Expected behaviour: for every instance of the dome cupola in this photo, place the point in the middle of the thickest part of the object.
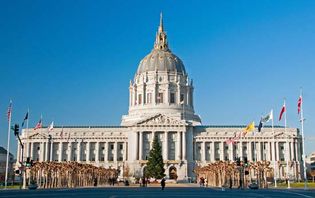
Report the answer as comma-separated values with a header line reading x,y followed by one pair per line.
x,y
161,58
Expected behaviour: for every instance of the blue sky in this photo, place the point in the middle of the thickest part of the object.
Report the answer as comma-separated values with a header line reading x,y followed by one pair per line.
x,y
71,61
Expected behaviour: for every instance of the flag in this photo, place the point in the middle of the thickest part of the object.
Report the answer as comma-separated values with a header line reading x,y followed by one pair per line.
x,y
9,111
230,141
267,118
282,111
51,126
25,118
260,125
38,125
299,104
250,127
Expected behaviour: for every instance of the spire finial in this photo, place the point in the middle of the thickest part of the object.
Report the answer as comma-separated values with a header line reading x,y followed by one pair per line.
x,y
161,38
161,23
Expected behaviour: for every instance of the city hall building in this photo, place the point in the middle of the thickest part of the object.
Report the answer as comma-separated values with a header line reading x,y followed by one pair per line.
x,y
161,104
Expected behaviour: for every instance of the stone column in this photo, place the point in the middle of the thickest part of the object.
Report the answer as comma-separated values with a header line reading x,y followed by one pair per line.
x,y
277,152
69,151
51,150
97,152
32,150
222,151
165,149
79,151
88,151
115,151
184,157
105,151
177,149
140,145
292,150
125,151
46,151
231,152
249,151
203,152
267,151
258,151
212,152
41,156
60,152
241,149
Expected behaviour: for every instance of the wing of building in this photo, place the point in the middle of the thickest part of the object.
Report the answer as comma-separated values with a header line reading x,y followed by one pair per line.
x,y
161,104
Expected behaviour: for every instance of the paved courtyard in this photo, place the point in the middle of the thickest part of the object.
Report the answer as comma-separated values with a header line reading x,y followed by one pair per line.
x,y
116,192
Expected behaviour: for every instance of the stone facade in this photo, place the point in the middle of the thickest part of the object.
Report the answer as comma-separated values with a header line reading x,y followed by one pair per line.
x,y
161,104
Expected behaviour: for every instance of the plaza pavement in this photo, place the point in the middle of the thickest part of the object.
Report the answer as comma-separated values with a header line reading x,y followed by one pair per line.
x,y
172,190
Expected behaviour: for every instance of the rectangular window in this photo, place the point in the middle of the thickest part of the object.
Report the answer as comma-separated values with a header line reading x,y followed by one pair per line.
x,y
181,97
149,98
160,98
139,99
172,99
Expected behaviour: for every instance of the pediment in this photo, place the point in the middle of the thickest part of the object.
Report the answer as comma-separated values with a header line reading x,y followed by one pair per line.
x,y
161,119
38,136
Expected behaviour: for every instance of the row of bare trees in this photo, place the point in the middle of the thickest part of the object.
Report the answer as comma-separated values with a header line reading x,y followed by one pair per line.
x,y
225,173
69,174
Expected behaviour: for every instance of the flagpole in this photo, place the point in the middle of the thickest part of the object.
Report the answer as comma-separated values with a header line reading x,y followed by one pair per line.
x,y
303,145
287,143
274,153
8,145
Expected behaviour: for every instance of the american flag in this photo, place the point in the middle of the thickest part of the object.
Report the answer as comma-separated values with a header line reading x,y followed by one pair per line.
x,y
9,111
38,125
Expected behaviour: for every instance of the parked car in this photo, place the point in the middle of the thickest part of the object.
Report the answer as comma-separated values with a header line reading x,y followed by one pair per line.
x,y
253,186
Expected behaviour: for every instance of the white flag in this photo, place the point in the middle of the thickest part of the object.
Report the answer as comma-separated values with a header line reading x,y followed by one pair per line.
x,y
267,118
51,126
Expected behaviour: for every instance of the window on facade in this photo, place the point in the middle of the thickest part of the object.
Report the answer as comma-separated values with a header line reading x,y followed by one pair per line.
x,y
139,98
160,98
181,97
149,98
172,99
